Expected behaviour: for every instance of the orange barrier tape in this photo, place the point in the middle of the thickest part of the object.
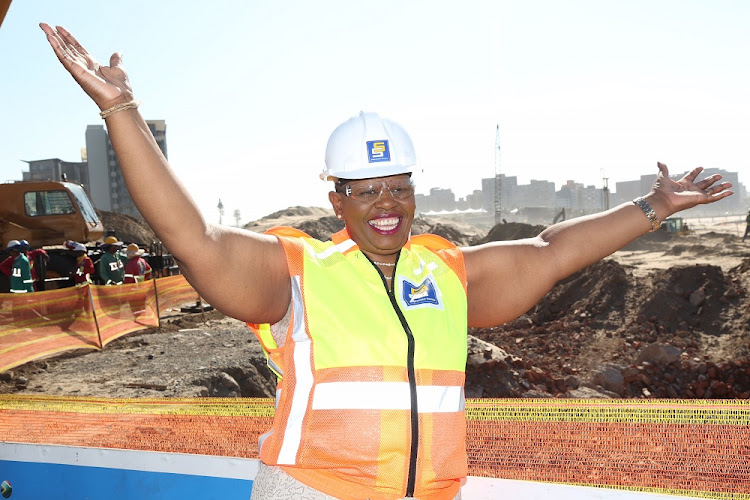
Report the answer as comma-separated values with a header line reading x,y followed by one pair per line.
x,y
33,325
691,448
224,427
39,324
174,291
123,309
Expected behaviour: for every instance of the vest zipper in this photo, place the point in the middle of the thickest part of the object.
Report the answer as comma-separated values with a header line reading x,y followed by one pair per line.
x,y
412,476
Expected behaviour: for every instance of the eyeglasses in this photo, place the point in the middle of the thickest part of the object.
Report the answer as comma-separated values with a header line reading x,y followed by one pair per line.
x,y
371,191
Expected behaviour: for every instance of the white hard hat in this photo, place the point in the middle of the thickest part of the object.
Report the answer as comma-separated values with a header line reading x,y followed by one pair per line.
x,y
13,245
367,146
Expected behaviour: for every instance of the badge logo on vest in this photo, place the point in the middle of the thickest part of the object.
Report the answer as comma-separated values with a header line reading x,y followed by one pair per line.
x,y
378,151
424,294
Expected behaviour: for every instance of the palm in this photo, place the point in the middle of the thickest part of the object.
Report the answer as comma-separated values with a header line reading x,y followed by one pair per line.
x,y
687,192
106,85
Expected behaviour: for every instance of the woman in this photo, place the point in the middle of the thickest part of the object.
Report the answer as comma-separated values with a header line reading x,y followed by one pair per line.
x,y
369,329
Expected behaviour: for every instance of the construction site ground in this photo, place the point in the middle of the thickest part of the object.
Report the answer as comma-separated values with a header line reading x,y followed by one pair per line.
x,y
667,317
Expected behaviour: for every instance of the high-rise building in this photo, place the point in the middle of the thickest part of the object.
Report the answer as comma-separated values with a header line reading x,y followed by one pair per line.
x,y
108,191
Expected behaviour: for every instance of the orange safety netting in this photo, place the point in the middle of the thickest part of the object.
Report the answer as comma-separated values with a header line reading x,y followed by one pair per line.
x,y
695,448
124,309
33,325
175,290
685,447
39,324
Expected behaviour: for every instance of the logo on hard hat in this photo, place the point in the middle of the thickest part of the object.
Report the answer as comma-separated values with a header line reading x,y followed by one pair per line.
x,y
378,151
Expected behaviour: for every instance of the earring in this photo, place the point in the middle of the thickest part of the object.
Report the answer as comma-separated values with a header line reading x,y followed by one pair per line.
x,y
339,216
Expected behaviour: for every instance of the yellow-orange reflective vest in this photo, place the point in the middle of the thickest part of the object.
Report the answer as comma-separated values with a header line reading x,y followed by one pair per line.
x,y
370,403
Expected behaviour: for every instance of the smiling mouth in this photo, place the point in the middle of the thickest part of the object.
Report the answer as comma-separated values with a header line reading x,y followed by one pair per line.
x,y
385,224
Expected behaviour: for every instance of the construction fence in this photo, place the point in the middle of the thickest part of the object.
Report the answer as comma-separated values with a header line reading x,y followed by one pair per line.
x,y
39,324
691,448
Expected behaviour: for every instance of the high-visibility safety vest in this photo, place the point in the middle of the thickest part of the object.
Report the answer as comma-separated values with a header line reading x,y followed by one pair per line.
x,y
370,403
20,277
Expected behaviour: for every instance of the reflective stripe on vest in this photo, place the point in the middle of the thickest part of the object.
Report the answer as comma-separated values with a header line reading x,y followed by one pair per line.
x,y
304,381
386,396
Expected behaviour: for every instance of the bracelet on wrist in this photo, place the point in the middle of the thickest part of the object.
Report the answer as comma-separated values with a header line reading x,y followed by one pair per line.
x,y
650,213
119,107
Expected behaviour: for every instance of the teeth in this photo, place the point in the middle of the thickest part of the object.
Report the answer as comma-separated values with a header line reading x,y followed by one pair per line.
x,y
385,224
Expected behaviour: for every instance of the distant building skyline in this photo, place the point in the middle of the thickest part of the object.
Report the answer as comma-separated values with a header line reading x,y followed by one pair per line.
x,y
100,175
572,196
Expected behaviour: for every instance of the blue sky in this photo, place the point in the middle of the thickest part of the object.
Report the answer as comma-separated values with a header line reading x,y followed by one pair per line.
x,y
250,90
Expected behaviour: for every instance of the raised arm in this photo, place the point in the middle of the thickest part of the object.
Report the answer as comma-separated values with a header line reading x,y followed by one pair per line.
x,y
241,273
507,278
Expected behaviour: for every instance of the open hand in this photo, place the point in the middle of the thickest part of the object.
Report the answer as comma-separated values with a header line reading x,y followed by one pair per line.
x,y
106,85
686,192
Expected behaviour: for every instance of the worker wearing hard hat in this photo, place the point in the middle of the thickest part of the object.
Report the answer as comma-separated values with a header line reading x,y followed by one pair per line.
x,y
110,266
35,256
17,267
137,270
84,264
367,331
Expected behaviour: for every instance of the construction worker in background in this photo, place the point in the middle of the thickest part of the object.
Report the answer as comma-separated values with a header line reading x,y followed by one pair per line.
x,y
368,331
747,226
84,264
18,268
38,255
110,267
137,269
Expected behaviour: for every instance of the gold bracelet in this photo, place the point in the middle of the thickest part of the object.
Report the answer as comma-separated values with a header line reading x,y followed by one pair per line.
x,y
650,213
119,107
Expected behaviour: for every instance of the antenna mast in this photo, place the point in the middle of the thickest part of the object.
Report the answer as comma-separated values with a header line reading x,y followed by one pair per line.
x,y
498,181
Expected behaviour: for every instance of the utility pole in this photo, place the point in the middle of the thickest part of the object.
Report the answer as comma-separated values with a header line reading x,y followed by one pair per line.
x,y
237,217
220,206
605,191
498,180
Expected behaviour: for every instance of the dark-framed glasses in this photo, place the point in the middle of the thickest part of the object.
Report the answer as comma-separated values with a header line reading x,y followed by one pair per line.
x,y
370,191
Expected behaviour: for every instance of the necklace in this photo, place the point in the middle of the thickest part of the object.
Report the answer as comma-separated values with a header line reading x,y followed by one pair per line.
x,y
387,264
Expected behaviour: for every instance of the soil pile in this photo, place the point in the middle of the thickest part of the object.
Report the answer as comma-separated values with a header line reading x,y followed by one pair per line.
x,y
681,332
510,231
126,228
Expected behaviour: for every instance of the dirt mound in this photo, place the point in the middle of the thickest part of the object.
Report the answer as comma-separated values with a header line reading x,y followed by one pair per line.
x,y
685,297
447,231
723,237
510,231
321,228
126,228
298,211
596,293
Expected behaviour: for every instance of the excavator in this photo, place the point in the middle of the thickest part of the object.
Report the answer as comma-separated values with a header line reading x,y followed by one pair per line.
x,y
560,216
